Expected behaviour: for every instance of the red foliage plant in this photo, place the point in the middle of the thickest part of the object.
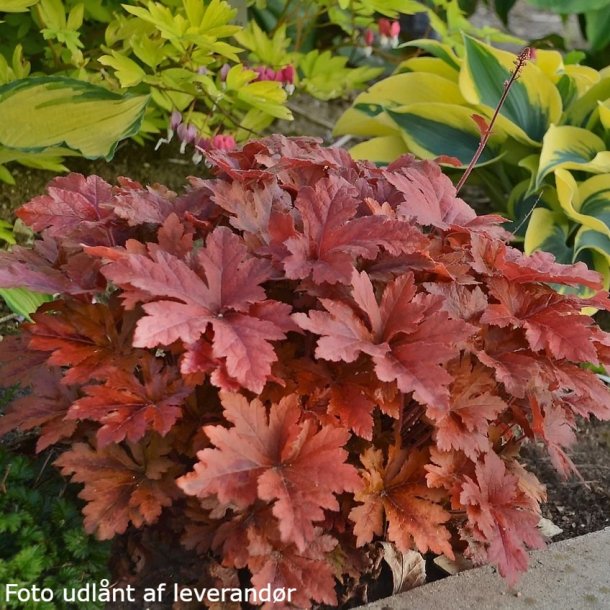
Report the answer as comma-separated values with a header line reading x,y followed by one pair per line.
x,y
298,358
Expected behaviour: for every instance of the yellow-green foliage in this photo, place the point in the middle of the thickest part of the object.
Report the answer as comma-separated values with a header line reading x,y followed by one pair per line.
x,y
552,134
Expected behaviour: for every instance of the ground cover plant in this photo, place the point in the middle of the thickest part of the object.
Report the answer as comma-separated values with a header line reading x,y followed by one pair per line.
x,y
43,542
297,359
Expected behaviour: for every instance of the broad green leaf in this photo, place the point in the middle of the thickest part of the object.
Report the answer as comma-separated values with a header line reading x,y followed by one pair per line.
x,y
587,203
598,27
503,8
382,150
566,7
434,129
572,148
42,112
584,77
533,102
22,301
16,6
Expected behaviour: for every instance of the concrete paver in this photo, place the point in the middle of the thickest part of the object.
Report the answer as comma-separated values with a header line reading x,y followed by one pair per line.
x,y
569,575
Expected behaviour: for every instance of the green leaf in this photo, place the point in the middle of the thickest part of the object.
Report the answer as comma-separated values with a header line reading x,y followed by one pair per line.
x,y
579,113
587,203
434,129
548,230
42,112
574,148
598,28
533,102
503,7
22,301
6,232
16,6
127,71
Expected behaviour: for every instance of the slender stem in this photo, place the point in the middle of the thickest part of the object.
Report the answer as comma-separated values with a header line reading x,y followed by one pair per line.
x,y
524,56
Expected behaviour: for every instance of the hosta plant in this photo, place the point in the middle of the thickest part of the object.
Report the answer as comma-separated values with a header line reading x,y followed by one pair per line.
x,y
554,123
299,358
188,59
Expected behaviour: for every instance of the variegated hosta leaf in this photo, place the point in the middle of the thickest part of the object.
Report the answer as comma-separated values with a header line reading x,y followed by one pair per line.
x,y
431,65
582,112
438,49
521,205
533,103
367,116
587,203
49,111
434,129
22,301
550,231
381,150
604,114
567,147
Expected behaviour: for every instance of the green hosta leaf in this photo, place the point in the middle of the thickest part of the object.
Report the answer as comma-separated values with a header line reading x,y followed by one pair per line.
x,y
572,148
38,113
598,27
382,150
533,102
587,203
566,7
16,6
22,301
433,129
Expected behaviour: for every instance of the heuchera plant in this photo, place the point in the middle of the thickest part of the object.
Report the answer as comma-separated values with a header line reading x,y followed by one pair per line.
x,y
299,358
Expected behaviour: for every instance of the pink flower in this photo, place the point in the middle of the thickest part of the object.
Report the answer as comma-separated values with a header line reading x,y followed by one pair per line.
x,y
388,32
369,37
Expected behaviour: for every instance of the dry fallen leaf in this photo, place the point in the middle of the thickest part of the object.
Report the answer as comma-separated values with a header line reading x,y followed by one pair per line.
x,y
548,529
408,569
453,566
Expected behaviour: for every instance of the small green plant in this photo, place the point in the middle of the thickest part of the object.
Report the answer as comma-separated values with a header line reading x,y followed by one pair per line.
x,y
43,542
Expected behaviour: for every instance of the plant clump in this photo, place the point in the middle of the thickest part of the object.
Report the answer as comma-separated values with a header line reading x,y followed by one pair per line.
x,y
298,358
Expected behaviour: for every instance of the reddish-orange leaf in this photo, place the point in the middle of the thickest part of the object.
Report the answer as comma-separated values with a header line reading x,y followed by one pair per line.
x,y
398,492
277,459
121,486
502,516
474,403
128,407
